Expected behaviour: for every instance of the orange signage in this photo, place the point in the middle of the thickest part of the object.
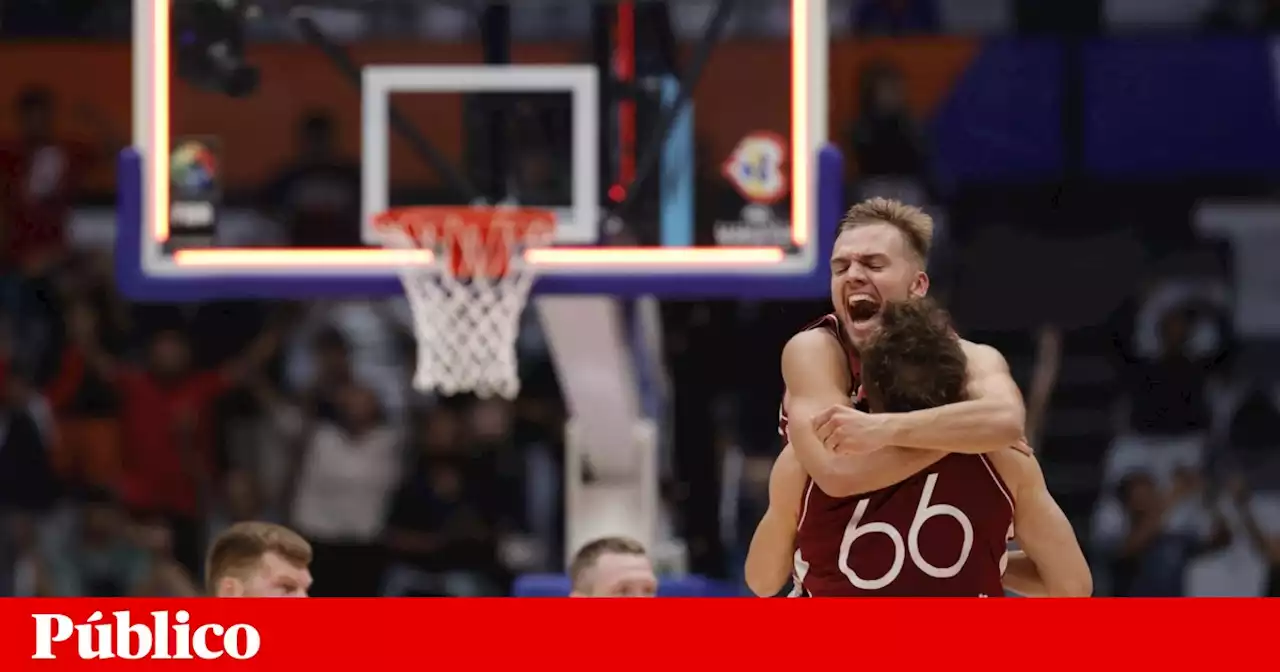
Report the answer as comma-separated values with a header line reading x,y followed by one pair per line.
x,y
744,89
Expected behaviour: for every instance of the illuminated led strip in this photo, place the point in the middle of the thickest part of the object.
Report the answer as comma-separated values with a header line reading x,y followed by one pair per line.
x,y
572,256
802,152
157,181
276,256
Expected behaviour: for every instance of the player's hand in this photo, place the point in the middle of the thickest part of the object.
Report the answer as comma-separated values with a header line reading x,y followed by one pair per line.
x,y
1024,448
848,430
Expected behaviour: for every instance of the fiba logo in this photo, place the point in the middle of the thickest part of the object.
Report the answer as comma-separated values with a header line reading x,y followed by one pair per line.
x,y
193,168
755,168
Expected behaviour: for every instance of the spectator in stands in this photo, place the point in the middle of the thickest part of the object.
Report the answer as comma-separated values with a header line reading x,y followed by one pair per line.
x,y
85,409
886,140
100,559
539,174
1168,392
1267,545
331,357
439,532
28,483
39,176
612,567
364,340
346,472
164,576
895,17
317,197
1162,530
322,358
1254,430
167,439
29,571
492,455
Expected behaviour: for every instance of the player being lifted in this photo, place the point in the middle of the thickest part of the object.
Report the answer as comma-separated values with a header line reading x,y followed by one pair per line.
x,y
941,532
879,258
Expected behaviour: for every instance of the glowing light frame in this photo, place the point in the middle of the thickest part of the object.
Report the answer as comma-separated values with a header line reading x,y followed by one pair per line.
x,y
145,272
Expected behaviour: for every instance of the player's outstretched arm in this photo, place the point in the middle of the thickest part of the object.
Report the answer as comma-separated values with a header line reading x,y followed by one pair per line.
x,y
1043,532
992,419
815,371
773,546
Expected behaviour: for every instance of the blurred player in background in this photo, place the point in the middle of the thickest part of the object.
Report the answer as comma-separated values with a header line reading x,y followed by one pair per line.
x,y
942,532
612,567
254,559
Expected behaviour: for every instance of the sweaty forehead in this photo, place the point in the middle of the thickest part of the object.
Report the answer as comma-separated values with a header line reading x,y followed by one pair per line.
x,y
870,239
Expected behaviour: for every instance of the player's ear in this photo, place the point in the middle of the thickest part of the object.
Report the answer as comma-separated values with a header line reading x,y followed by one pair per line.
x,y
920,286
229,587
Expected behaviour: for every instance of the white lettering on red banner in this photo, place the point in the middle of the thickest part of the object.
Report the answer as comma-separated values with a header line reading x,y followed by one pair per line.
x,y
97,639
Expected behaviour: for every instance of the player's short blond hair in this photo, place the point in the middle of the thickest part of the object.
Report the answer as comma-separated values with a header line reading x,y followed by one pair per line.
x,y
241,547
587,556
915,224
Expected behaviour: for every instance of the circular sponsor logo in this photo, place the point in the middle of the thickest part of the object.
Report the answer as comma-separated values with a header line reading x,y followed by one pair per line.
x,y
756,168
193,167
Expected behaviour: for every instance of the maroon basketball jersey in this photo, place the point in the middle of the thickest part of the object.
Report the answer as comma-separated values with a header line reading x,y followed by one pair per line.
x,y
831,323
943,532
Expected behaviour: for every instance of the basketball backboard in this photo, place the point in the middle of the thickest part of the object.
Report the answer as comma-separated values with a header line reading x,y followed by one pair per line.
x,y
199,155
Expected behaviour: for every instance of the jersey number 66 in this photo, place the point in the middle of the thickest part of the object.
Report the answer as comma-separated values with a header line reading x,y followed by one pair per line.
x,y
924,511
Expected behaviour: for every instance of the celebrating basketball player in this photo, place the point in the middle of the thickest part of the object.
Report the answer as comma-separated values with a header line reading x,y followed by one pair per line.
x,y
942,532
254,559
879,257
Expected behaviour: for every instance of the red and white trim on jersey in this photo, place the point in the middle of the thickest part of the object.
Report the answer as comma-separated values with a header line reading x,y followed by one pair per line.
x,y
1008,497
830,323
995,476
800,568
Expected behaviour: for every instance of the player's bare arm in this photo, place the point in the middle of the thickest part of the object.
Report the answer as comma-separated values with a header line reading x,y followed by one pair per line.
x,y
1022,577
1043,532
815,371
991,419
772,550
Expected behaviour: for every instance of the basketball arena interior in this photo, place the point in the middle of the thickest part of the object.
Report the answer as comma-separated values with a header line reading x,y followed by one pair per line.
x,y
219,303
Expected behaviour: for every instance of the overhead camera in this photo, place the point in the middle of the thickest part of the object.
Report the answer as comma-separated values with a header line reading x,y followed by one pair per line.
x,y
209,45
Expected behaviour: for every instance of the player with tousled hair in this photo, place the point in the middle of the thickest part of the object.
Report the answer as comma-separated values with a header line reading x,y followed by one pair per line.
x,y
255,559
954,530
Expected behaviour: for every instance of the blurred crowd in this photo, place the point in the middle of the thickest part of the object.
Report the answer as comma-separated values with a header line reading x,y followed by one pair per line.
x,y
541,19
129,432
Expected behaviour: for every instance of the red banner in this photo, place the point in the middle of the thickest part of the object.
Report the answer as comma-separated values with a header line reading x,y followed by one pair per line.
x,y
456,634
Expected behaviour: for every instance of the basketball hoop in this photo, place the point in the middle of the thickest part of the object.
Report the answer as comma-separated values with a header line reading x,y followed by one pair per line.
x,y
466,306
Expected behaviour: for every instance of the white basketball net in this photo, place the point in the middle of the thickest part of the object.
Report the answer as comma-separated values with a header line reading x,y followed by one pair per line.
x,y
466,327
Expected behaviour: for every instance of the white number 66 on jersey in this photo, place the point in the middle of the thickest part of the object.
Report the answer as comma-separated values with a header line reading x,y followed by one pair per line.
x,y
924,511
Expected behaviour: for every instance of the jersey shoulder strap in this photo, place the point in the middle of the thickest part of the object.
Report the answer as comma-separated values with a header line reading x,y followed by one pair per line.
x,y
832,324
